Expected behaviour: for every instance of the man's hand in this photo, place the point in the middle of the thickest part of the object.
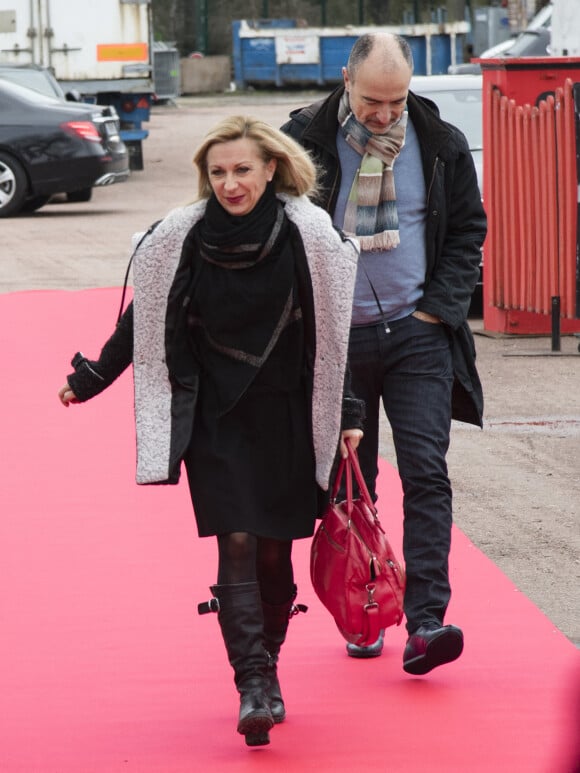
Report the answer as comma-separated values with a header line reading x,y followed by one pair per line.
x,y
426,317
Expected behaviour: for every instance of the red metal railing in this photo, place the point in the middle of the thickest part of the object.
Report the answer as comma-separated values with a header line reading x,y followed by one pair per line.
x,y
530,254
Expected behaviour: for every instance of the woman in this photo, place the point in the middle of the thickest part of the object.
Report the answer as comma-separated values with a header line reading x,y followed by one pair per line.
x,y
238,335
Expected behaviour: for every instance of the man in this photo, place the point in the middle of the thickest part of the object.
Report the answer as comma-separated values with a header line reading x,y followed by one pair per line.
x,y
403,181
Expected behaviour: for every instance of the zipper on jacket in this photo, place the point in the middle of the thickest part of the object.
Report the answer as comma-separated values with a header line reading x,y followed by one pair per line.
x,y
431,182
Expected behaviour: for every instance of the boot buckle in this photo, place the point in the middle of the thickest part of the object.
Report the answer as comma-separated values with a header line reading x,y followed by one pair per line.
x,y
213,605
295,609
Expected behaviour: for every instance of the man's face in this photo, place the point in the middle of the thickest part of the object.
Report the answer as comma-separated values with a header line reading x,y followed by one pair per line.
x,y
378,99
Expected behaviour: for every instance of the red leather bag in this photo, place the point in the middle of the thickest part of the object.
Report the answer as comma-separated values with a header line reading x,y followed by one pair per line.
x,y
353,568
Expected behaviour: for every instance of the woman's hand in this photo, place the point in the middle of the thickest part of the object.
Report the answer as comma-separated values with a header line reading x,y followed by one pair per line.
x,y
67,396
354,436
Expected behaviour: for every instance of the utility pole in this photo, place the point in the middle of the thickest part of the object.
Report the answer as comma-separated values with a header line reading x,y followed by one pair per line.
x,y
416,12
201,26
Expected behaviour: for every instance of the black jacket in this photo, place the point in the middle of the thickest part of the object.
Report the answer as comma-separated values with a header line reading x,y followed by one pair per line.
x,y
166,387
455,229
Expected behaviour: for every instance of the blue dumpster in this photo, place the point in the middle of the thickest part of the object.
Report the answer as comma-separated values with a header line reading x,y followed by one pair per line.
x,y
279,52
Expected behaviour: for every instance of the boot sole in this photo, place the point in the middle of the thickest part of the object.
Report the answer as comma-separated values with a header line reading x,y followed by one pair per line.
x,y
256,723
257,739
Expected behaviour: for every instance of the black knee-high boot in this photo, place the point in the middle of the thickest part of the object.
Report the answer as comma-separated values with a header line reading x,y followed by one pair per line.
x,y
241,620
276,619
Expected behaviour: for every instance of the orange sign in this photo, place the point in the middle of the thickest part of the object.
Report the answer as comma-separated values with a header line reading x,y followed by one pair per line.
x,y
123,52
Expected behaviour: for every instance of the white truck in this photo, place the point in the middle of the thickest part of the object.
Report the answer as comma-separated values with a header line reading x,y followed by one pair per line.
x,y
100,50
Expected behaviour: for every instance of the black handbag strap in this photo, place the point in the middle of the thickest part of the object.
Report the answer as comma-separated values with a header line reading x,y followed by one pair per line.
x,y
139,243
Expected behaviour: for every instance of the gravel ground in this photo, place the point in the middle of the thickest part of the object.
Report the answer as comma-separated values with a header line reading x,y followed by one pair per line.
x,y
516,483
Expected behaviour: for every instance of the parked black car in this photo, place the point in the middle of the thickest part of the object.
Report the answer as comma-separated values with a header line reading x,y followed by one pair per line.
x,y
34,77
48,146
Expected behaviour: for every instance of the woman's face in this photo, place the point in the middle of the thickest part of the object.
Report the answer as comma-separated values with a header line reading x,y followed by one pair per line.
x,y
238,175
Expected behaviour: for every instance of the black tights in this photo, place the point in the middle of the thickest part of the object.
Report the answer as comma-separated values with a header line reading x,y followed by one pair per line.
x,y
244,557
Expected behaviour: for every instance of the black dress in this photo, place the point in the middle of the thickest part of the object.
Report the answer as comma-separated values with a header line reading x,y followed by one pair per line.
x,y
252,469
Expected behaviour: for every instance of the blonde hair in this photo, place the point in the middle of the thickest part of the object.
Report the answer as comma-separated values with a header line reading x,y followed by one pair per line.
x,y
295,172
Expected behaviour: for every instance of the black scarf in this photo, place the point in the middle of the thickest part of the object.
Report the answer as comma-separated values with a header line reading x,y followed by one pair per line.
x,y
243,292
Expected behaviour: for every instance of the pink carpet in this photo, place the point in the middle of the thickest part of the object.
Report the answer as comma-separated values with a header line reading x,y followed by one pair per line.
x,y
105,665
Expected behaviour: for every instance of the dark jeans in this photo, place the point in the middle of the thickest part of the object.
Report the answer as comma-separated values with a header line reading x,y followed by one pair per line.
x,y
411,369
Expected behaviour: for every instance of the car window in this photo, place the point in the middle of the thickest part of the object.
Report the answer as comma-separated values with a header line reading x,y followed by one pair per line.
x,y
464,110
31,96
31,79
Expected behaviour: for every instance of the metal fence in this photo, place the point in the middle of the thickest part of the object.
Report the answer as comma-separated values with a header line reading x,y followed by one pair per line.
x,y
532,253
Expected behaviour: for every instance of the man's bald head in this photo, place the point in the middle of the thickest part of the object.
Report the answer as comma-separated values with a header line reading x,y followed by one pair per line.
x,y
387,51
377,79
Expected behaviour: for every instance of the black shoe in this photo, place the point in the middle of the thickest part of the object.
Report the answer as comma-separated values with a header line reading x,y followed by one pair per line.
x,y
372,651
430,647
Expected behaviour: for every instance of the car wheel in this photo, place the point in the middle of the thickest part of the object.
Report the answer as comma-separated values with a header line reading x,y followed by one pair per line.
x,y
13,185
78,196
36,202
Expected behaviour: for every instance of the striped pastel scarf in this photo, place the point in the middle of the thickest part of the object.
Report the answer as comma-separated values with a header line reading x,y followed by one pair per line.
x,y
371,211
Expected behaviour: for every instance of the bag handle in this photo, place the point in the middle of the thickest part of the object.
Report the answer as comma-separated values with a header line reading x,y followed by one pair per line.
x,y
362,486
347,467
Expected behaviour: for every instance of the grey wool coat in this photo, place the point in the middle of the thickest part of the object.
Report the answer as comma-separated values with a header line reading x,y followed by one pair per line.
x,y
332,262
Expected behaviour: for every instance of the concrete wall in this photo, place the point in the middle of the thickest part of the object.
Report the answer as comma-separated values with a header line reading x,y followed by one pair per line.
x,y
205,74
